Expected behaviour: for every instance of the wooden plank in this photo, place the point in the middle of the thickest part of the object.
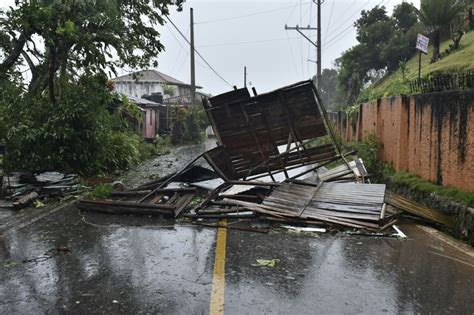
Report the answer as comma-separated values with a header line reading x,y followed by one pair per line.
x,y
183,201
415,208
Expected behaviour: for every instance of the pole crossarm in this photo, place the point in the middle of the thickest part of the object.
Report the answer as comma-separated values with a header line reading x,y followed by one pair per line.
x,y
298,29
318,43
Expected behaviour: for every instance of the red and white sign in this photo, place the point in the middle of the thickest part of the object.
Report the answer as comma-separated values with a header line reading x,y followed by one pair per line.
x,y
422,43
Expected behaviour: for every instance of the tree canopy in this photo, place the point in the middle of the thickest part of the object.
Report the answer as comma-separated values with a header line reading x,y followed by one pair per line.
x,y
66,117
437,16
73,37
384,41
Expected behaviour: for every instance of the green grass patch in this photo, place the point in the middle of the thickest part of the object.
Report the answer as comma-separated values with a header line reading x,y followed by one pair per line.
x,y
420,184
394,84
102,191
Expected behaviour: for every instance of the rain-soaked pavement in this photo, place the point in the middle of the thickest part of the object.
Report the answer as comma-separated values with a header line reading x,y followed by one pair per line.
x,y
67,261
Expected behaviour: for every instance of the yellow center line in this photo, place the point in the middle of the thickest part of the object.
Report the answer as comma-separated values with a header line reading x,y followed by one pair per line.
x,y
218,278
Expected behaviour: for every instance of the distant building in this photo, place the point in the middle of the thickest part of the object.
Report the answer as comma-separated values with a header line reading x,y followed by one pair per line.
x,y
150,125
159,96
185,100
148,82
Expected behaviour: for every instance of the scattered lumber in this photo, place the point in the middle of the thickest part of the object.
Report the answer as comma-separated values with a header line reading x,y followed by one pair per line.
x,y
157,202
415,208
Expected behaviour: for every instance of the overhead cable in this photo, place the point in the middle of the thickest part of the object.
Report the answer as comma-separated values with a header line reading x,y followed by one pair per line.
x,y
245,16
197,52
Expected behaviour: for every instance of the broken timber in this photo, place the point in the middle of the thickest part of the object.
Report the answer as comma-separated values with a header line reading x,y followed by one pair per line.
x,y
159,201
271,165
412,207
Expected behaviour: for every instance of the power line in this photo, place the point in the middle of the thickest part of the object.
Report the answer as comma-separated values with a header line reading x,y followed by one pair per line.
x,y
350,19
293,56
329,21
186,54
205,61
291,12
334,38
182,48
342,17
308,45
245,16
301,39
250,42
341,34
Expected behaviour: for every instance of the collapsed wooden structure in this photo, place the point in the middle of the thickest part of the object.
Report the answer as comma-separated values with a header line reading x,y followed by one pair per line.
x,y
277,159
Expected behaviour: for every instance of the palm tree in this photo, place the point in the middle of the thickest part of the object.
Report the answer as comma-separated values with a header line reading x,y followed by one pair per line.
x,y
437,16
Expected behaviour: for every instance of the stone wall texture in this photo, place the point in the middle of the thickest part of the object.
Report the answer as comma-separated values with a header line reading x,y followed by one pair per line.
x,y
430,135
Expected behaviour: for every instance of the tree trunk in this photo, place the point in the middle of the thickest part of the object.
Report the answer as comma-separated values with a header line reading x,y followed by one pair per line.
x,y
436,45
51,74
457,39
14,55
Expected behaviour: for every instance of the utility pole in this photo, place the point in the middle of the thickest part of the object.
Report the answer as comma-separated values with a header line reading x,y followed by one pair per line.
x,y
193,71
245,76
316,44
318,48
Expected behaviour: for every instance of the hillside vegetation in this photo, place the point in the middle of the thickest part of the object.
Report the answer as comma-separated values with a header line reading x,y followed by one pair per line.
x,y
396,83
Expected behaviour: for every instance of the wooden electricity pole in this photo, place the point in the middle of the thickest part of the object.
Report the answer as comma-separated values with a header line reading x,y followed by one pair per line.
x,y
245,76
316,44
193,71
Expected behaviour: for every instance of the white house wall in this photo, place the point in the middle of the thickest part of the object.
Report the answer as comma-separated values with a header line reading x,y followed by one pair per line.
x,y
138,89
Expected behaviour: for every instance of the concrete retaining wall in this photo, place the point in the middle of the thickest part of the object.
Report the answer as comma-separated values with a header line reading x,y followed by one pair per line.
x,y
430,135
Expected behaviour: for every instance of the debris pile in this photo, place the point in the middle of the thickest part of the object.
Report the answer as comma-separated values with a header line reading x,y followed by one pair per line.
x,y
277,159
24,188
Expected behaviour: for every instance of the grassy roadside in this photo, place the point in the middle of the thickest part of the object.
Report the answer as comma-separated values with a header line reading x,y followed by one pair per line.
x,y
394,84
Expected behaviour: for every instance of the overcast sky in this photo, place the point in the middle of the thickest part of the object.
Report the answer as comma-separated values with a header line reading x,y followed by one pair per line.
x,y
232,34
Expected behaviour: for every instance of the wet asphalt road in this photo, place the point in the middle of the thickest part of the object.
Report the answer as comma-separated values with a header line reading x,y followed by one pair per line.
x,y
111,264
138,265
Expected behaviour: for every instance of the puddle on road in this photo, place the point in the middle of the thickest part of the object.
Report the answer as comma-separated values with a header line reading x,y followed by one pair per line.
x,y
144,267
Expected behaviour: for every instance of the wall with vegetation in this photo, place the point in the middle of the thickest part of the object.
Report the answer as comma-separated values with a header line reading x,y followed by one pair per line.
x,y
430,135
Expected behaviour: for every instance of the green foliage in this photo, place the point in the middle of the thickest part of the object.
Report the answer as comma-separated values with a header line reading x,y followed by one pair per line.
x,y
368,151
163,141
66,137
80,37
419,184
80,134
102,191
398,86
67,119
404,70
383,42
328,88
393,84
128,111
120,151
149,150
10,95
189,125
169,90
438,16
177,130
405,16
352,111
